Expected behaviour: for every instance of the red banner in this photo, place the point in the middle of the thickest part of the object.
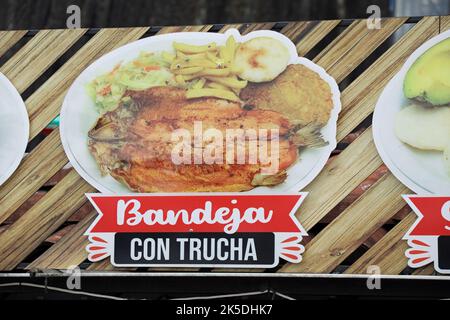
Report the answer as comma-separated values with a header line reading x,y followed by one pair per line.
x,y
434,215
196,213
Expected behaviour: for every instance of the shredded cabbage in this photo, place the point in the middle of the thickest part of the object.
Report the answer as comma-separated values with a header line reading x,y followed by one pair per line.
x,y
147,70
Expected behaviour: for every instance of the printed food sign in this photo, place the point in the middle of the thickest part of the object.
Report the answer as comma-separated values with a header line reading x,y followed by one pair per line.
x,y
172,116
209,230
429,237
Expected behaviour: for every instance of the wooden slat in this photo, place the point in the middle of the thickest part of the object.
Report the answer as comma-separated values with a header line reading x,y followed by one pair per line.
x,y
231,26
38,54
39,166
359,98
313,37
445,23
44,105
339,177
198,28
365,45
307,34
8,39
258,26
69,251
342,43
354,225
425,271
47,215
343,54
388,253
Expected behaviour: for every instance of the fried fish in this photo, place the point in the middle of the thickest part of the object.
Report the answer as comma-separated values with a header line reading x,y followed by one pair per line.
x,y
134,142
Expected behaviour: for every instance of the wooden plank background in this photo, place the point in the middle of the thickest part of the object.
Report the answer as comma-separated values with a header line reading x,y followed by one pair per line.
x,y
353,213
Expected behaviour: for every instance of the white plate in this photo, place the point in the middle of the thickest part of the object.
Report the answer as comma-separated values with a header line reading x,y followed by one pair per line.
x,y
421,171
14,129
78,113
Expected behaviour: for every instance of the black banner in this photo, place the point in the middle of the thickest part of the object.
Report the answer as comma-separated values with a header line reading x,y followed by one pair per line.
x,y
194,249
444,252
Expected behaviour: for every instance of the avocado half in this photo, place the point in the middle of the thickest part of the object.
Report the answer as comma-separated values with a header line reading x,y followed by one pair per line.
x,y
428,79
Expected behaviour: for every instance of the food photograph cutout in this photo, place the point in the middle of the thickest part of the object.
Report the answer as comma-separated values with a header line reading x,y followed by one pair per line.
x,y
412,119
201,112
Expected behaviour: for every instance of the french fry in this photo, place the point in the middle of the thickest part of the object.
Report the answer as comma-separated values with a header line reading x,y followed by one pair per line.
x,y
236,91
180,80
227,52
182,55
231,48
187,63
188,48
215,85
190,77
208,92
207,67
190,70
215,72
218,62
232,81
199,84
168,57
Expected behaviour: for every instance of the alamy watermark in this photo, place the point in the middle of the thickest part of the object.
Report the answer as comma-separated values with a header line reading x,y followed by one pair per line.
x,y
73,278
74,19
374,280
239,146
374,20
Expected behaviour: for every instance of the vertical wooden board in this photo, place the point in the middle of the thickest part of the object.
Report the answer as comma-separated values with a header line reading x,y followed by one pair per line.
x,y
24,235
38,54
349,230
8,39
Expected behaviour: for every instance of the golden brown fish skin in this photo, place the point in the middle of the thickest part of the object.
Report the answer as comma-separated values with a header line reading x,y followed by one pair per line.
x,y
298,93
139,155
